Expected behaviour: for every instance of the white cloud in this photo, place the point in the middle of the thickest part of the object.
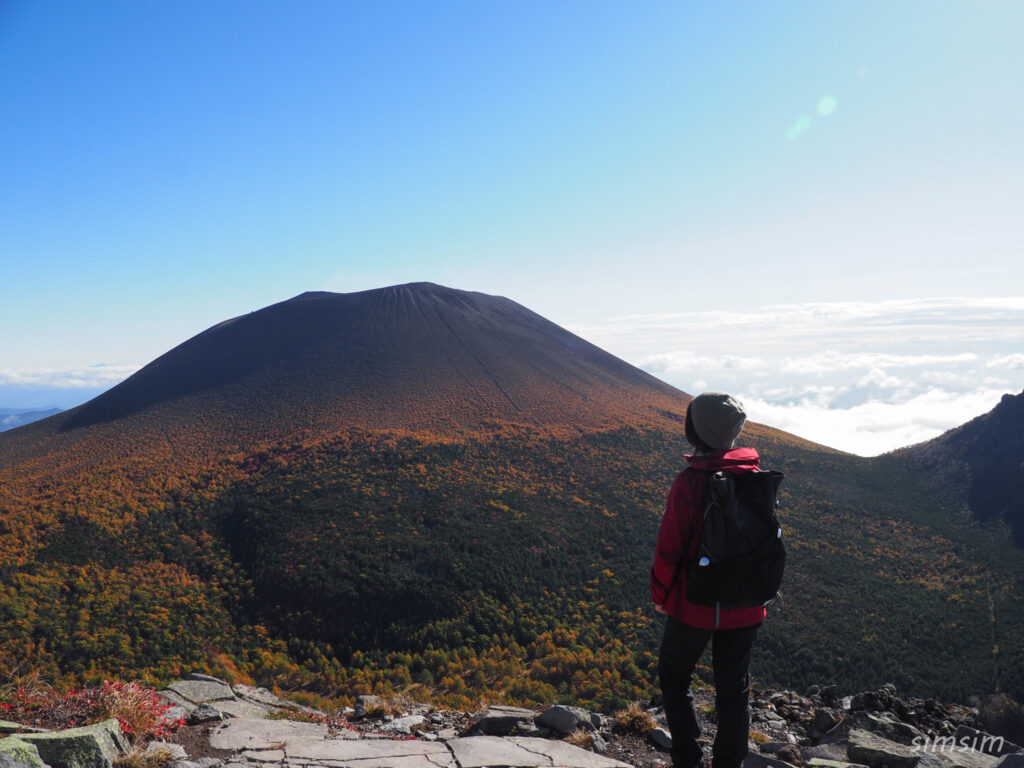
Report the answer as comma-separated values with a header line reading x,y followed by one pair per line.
x,y
74,377
875,426
1014,361
865,377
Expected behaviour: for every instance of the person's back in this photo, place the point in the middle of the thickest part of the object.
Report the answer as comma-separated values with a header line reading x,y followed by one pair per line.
x,y
714,420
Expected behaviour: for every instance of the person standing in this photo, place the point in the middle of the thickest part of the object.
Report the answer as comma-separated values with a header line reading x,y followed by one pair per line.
x,y
714,421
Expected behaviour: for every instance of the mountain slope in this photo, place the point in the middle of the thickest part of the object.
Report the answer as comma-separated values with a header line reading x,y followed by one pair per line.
x,y
988,452
418,485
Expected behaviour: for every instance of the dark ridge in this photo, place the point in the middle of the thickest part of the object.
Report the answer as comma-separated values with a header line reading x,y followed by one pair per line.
x,y
991,449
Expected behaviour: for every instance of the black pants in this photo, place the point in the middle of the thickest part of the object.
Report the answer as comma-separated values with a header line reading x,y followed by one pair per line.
x,y
681,649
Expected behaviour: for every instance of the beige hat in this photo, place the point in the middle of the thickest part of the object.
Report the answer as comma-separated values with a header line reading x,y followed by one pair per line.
x,y
718,418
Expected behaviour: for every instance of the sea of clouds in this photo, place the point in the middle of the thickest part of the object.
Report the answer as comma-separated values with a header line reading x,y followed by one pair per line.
x,y
864,377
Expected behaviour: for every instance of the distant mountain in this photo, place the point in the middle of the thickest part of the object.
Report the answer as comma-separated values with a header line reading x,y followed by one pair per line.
x,y
988,453
420,486
16,417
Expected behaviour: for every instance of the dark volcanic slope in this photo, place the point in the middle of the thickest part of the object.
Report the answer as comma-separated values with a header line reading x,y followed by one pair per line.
x,y
991,447
415,357
380,356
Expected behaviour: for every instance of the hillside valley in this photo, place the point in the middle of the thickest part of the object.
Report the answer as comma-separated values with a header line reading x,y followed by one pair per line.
x,y
422,487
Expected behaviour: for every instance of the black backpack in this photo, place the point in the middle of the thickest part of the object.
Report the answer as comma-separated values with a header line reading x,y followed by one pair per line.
x,y
741,555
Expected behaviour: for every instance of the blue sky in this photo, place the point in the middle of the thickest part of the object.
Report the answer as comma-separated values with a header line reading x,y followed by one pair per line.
x,y
165,166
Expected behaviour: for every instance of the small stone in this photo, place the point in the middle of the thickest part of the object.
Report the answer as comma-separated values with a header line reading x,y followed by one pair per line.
x,y
204,713
791,754
208,762
447,734
661,738
598,744
529,728
403,725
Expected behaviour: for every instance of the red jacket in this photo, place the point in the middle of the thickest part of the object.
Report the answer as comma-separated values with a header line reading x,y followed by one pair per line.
x,y
679,537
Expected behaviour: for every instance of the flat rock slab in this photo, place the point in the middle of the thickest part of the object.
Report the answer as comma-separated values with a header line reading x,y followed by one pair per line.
x,y
6,726
261,695
870,749
985,742
247,733
201,691
244,709
821,762
334,752
755,760
525,752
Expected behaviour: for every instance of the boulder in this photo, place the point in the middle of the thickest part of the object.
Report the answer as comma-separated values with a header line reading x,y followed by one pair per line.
x,y
91,746
565,720
15,753
499,721
871,749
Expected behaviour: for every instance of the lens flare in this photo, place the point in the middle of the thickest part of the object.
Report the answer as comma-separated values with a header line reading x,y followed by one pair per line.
x,y
827,106
797,129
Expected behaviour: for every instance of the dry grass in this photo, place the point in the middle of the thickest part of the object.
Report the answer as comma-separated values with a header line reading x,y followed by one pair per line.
x,y
759,737
634,719
139,758
580,738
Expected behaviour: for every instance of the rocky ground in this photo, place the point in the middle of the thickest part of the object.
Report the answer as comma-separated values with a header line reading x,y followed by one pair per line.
x,y
244,727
